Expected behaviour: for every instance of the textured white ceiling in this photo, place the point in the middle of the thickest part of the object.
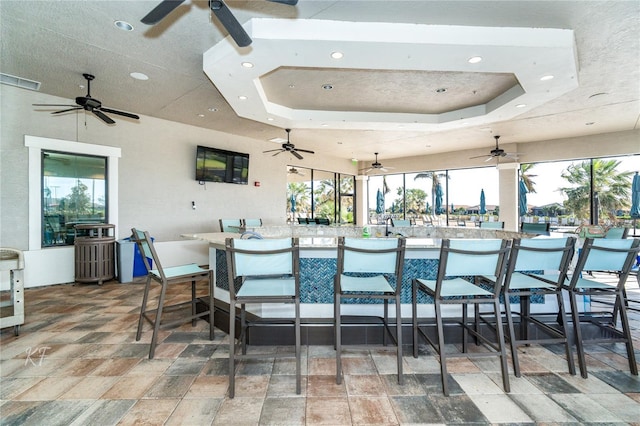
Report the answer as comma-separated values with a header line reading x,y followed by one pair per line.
x,y
54,42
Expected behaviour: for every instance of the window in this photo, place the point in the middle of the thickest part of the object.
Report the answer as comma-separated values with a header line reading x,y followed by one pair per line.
x,y
569,194
74,189
36,146
312,194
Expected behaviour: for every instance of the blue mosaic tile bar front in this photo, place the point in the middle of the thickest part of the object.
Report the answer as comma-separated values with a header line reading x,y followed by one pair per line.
x,y
316,279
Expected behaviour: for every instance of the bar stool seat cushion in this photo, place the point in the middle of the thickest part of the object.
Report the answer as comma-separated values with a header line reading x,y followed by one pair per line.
x,y
455,287
375,284
265,287
179,271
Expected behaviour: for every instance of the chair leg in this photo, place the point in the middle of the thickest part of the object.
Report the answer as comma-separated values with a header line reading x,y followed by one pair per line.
x,y
577,334
158,320
243,328
385,326
338,340
626,331
501,345
193,303
414,316
232,348
441,349
565,330
512,335
465,333
143,308
298,348
211,306
399,339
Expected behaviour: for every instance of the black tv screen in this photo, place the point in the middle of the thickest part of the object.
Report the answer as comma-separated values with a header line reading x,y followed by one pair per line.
x,y
219,165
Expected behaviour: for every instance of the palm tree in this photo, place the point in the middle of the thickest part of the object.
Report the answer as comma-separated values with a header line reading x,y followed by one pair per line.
x,y
301,193
611,185
527,177
435,181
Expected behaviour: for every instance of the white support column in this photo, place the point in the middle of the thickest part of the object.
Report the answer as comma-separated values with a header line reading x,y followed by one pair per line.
x,y
508,182
361,200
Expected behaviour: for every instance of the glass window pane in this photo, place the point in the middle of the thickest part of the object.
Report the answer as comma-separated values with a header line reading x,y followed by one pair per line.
x,y
73,191
324,195
463,191
298,193
347,205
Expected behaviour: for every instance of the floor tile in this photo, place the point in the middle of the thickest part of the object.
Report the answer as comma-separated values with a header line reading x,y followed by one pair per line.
x,y
500,408
149,412
371,410
240,410
200,411
283,411
327,411
542,409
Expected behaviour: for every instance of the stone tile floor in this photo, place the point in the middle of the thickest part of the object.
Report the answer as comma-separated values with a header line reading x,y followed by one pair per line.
x,y
76,362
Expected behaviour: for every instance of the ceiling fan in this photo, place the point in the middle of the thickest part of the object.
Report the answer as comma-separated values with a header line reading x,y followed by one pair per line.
x,y
289,147
293,171
497,152
91,104
219,8
376,165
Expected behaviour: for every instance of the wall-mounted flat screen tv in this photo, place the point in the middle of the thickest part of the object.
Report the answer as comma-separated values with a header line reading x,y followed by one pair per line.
x,y
219,165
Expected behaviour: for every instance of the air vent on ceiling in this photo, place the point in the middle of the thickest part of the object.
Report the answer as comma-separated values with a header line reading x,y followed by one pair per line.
x,y
25,83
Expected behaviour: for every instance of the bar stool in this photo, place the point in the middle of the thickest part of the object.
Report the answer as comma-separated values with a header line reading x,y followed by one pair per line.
x,y
616,256
460,262
363,272
190,273
537,268
268,271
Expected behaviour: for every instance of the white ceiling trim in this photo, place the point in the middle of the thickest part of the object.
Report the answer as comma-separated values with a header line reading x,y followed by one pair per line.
x,y
527,53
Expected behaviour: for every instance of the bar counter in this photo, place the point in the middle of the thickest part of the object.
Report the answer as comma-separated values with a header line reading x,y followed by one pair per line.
x,y
318,266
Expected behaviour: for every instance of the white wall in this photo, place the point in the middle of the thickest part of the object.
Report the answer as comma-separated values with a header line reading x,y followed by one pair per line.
x,y
156,179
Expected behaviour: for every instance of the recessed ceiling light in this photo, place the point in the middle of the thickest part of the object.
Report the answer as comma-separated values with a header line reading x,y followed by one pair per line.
x,y
123,25
139,76
475,59
324,125
247,64
546,77
291,86
441,90
521,105
242,98
269,118
201,115
213,109
337,55
327,86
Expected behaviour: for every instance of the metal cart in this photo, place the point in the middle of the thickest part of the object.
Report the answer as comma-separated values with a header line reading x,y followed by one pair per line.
x,y
94,252
12,309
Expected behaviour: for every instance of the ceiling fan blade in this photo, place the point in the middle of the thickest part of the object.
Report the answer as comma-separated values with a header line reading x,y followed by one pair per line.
x,y
272,150
287,2
66,110
226,18
54,105
305,150
124,114
160,11
103,117
489,158
298,156
280,151
480,156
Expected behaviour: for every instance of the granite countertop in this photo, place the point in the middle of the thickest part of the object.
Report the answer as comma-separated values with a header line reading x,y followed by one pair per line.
x,y
218,239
